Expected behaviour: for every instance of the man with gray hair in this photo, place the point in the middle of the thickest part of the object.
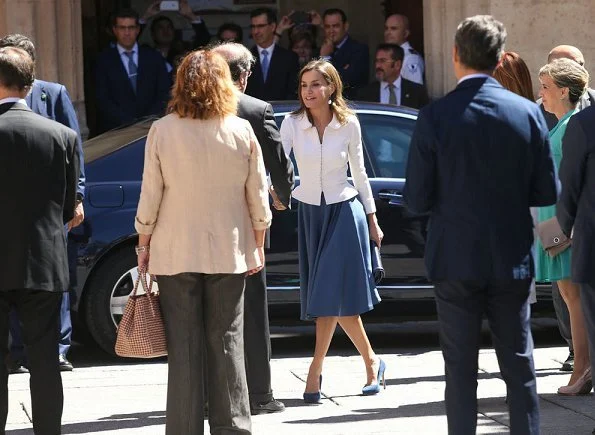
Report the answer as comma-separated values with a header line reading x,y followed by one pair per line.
x,y
257,340
472,151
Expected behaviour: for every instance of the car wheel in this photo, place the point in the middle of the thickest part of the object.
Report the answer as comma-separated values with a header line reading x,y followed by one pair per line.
x,y
107,294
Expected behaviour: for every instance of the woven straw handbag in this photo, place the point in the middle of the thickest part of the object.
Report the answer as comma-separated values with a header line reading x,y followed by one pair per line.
x,y
141,333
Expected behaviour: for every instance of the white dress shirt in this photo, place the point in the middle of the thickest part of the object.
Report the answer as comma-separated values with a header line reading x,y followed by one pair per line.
x,y
323,167
124,57
385,93
13,100
269,50
413,64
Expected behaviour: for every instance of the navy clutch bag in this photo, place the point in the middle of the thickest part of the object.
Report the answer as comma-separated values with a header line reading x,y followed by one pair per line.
x,y
377,268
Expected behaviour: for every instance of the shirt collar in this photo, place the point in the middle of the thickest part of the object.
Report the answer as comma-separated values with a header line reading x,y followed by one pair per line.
x,y
340,44
269,49
473,76
122,50
305,123
13,100
406,46
397,83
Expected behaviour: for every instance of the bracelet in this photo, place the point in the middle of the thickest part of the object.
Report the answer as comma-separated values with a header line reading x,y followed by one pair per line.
x,y
139,249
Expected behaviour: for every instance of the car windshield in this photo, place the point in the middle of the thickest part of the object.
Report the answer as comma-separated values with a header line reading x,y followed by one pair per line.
x,y
116,139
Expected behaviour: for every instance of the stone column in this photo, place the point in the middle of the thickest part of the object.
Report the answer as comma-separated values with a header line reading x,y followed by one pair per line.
x,y
55,27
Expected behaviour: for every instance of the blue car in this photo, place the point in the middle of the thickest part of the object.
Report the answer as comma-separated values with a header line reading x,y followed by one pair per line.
x,y
106,261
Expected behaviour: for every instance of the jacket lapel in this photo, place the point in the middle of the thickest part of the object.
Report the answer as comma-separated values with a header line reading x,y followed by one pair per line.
x,y
405,93
37,99
257,68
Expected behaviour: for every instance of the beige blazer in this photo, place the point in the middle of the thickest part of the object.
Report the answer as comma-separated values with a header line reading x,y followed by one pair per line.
x,y
203,193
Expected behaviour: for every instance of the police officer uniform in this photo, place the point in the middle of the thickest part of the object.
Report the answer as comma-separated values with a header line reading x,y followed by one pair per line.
x,y
413,64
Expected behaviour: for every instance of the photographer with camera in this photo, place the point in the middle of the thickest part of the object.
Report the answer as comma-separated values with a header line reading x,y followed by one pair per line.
x,y
166,38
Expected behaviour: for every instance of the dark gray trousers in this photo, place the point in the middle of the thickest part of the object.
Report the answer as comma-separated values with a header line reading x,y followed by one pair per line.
x,y
461,306
257,339
39,315
562,315
205,312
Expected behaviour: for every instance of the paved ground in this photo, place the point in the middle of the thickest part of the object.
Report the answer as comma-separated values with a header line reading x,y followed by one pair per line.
x,y
129,398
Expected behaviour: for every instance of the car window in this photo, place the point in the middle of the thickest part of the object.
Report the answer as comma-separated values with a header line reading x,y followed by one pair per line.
x,y
387,139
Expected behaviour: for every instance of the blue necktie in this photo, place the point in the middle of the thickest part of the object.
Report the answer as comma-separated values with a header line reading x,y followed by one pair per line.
x,y
265,64
132,69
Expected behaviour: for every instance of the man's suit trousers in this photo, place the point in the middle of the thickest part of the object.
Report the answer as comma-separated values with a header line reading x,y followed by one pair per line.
x,y
257,339
461,306
39,313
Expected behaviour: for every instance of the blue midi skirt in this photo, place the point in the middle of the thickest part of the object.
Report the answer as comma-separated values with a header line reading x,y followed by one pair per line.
x,y
335,266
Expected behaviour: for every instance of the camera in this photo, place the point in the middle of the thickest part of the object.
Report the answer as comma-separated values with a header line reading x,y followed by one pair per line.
x,y
169,5
300,17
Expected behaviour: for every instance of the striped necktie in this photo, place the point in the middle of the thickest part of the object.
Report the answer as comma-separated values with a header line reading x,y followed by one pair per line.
x,y
132,69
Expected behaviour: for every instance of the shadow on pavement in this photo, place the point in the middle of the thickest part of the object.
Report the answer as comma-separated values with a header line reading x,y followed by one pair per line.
x,y
113,422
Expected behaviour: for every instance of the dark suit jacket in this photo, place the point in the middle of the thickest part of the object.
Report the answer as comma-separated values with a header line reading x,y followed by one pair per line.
x,y
412,94
587,100
38,179
261,117
352,61
117,103
576,205
479,158
281,81
51,100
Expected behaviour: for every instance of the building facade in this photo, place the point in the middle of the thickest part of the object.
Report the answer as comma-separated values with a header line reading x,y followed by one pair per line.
x,y
70,33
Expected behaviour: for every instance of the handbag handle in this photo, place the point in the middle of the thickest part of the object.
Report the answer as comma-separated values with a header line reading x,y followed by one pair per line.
x,y
142,279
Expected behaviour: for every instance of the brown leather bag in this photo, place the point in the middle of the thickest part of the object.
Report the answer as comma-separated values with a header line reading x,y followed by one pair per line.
x,y
141,333
553,239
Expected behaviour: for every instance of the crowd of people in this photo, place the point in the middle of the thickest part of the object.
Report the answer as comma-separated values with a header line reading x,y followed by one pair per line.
x,y
483,145
140,86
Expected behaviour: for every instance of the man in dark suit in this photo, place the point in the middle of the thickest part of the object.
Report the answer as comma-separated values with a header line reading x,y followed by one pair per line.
x,y
50,100
38,179
257,340
479,159
131,81
390,87
274,75
349,57
575,210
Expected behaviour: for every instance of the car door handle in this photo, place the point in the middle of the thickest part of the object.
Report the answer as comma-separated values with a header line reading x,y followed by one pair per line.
x,y
393,198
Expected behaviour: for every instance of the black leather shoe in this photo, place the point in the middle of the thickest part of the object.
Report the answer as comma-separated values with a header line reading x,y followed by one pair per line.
x,y
65,365
267,407
16,368
568,365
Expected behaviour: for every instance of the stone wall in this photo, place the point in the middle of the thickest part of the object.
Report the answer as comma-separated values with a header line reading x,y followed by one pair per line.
x,y
534,28
55,27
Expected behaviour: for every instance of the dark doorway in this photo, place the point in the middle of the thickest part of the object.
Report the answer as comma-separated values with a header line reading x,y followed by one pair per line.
x,y
414,10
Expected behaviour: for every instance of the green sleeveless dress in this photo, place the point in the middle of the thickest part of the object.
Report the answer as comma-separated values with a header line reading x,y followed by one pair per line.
x,y
548,269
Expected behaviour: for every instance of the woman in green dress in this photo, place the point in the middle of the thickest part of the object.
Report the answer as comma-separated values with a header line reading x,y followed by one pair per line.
x,y
563,82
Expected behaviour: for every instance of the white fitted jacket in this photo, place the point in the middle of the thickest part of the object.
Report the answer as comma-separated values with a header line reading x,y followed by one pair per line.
x,y
323,167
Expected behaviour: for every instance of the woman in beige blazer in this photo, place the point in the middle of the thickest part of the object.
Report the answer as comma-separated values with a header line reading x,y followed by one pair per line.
x,y
201,220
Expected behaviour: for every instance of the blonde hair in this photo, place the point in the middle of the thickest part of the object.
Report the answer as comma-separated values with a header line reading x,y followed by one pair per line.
x,y
569,74
203,88
331,76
